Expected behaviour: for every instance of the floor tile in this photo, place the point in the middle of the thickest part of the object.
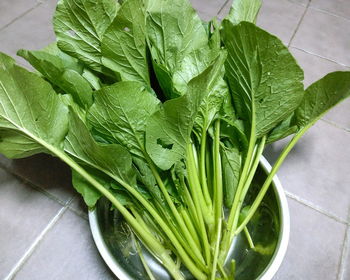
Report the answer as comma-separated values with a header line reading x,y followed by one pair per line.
x,y
337,7
279,17
207,9
44,171
315,68
67,252
346,272
24,213
325,35
10,10
317,169
300,2
315,246
32,31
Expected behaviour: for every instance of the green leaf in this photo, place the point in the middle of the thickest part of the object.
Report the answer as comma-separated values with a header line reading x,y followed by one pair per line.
x,y
231,169
168,130
89,193
265,80
54,68
244,10
111,159
68,61
284,129
31,113
124,43
210,107
174,30
116,124
79,26
321,96
191,66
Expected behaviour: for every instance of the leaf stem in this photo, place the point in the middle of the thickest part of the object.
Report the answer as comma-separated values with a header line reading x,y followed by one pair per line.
x,y
270,177
233,217
218,190
202,171
216,252
191,247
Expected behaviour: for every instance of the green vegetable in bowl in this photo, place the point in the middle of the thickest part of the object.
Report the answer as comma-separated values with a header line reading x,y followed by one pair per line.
x,y
164,115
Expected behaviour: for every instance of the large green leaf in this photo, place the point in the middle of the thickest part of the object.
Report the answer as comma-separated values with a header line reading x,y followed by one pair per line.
x,y
89,193
190,66
231,169
79,26
265,80
169,129
53,68
174,30
31,113
284,129
124,43
112,159
322,96
244,10
112,121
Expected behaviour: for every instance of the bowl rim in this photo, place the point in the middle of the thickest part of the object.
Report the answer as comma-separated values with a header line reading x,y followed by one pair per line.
x,y
269,271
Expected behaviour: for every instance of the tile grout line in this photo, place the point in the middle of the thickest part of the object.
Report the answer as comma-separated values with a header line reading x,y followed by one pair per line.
x,y
222,7
17,267
335,125
316,208
345,252
299,23
329,13
21,15
320,56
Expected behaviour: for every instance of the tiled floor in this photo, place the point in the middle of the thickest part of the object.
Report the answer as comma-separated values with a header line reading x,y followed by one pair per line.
x,y
44,232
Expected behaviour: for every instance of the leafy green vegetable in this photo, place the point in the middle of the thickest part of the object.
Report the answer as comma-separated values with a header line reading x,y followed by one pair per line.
x,y
265,80
166,116
113,122
31,114
244,10
80,25
124,43
169,129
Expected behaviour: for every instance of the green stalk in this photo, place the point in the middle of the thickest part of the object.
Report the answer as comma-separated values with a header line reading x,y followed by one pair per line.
x,y
199,202
196,187
209,171
145,265
233,217
269,179
216,252
156,247
222,272
152,243
249,238
218,190
253,167
190,226
202,171
191,206
191,247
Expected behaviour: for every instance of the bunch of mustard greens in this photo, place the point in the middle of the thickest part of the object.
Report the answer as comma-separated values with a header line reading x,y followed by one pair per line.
x,y
164,115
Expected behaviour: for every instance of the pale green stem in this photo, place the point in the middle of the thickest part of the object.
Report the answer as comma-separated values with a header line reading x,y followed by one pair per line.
x,y
202,170
216,252
270,177
192,247
218,190
249,238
